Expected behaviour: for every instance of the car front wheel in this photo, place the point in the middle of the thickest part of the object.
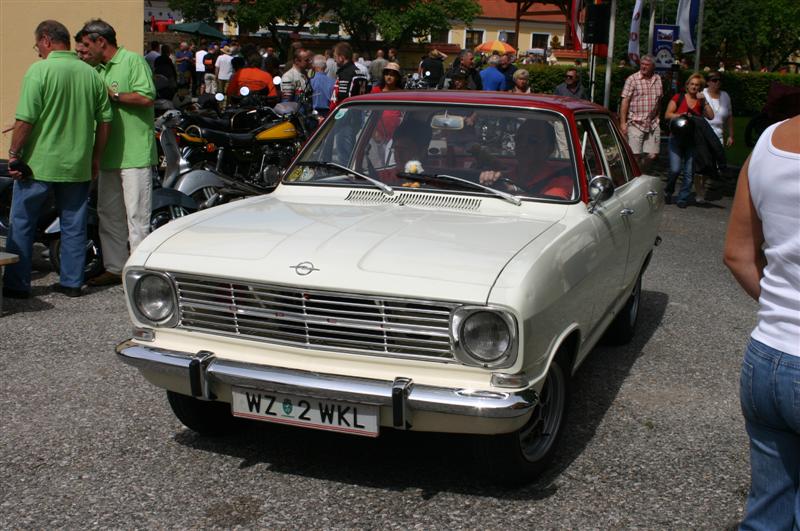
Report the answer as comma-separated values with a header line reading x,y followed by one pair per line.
x,y
204,417
518,457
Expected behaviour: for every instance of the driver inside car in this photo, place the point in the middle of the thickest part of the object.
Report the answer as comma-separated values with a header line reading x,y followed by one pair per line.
x,y
534,143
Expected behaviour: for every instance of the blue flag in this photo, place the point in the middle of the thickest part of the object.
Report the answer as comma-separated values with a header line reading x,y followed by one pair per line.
x,y
686,19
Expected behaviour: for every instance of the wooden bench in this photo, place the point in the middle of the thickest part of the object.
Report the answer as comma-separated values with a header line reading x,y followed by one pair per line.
x,y
5,259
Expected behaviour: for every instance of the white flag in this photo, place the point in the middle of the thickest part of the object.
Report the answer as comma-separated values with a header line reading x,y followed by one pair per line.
x,y
633,38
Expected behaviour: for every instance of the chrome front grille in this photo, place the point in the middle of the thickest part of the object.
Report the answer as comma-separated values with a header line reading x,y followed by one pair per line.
x,y
316,319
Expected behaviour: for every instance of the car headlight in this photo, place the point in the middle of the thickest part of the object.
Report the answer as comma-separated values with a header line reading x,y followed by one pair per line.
x,y
485,336
152,297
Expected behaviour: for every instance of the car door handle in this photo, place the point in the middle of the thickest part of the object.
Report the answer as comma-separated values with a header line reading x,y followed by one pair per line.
x,y
626,212
651,193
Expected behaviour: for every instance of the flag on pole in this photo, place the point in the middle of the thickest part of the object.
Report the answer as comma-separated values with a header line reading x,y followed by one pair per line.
x,y
633,38
686,20
576,26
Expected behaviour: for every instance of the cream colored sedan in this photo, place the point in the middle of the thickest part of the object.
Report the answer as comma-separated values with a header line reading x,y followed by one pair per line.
x,y
433,261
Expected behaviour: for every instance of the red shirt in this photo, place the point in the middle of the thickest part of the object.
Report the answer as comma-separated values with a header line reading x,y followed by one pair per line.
x,y
683,107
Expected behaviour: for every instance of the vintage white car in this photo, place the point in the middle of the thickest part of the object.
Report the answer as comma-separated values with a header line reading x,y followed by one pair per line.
x,y
433,261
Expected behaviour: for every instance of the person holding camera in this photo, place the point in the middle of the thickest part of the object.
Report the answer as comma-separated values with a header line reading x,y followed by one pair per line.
x,y
680,111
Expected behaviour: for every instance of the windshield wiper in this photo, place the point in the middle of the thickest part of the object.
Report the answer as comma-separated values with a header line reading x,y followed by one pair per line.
x,y
385,188
453,179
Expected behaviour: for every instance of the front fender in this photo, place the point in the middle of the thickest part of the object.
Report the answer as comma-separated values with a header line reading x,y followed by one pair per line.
x,y
196,180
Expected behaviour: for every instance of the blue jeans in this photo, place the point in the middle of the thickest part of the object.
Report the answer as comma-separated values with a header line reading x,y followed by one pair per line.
x,y
770,398
30,196
681,158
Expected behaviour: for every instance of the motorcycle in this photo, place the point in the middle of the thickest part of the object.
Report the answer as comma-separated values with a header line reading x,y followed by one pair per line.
x,y
247,162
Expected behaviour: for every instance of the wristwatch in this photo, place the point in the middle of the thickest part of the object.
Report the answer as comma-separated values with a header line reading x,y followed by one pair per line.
x,y
13,154
115,96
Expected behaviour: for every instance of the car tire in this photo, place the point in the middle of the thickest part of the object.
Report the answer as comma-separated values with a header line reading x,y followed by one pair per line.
x,y
518,457
201,416
623,327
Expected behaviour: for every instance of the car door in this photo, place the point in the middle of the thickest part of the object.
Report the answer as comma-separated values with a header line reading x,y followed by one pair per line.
x,y
644,195
639,196
612,235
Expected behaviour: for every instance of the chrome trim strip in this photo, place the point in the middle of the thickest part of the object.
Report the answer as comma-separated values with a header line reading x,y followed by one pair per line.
x,y
454,401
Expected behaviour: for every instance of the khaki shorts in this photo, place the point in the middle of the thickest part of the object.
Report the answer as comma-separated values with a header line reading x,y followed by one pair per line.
x,y
644,142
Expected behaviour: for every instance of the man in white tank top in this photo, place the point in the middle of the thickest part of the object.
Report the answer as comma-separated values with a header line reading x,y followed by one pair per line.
x,y
762,250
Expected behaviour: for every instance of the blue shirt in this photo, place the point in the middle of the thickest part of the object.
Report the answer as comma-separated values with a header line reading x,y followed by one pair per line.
x,y
323,89
493,79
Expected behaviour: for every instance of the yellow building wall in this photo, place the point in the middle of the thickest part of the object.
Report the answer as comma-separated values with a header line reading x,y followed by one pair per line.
x,y
18,20
492,28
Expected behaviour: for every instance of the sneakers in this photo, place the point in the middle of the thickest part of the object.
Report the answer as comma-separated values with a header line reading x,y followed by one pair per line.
x,y
105,278
64,290
10,293
699,200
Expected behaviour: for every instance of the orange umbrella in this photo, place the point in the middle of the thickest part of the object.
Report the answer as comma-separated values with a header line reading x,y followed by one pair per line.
x,y
495,47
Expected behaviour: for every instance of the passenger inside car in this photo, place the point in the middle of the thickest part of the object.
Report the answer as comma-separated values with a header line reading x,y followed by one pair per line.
x,y
537,173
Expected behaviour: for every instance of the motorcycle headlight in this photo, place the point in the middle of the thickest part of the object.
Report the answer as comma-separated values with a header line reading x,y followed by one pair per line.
x,y
153,297
486,337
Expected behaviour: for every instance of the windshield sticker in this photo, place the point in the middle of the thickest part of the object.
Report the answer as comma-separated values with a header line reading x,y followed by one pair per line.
x,y
339,114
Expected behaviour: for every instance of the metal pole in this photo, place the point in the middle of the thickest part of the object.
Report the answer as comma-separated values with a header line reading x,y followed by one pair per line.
x,y
699,36
651,29
592,70
610,56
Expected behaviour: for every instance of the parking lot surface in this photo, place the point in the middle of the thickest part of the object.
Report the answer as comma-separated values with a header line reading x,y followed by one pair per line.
x,y
655,438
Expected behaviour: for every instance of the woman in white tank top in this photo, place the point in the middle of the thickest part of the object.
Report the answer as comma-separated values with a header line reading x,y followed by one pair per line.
x,y
762,250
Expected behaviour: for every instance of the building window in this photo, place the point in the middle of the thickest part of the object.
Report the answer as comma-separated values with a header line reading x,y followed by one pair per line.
x,y
440,36
508,37
540,40
474,38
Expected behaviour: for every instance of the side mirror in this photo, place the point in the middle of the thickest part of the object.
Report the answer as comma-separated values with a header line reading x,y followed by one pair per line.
x,y
276,80
219,96
244,91
601,188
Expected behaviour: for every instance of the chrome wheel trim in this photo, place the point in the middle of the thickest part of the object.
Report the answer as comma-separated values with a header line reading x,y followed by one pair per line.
x,y
537,437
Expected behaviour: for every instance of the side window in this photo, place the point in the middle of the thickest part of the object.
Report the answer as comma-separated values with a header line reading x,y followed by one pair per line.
x,y
589,153
611,150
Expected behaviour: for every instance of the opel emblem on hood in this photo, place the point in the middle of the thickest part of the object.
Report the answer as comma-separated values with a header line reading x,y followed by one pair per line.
x,y
304,268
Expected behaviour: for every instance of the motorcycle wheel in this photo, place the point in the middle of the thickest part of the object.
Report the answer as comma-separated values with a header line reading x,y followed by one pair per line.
x,y
94,257
162,216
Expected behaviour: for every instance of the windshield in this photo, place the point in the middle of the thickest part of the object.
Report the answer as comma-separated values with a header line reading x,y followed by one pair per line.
x,y
526,153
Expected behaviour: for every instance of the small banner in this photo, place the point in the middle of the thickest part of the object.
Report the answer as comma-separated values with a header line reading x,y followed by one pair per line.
x,y
633,38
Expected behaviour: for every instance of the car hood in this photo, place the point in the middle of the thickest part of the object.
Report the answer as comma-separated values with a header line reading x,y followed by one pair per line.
x,y
383,248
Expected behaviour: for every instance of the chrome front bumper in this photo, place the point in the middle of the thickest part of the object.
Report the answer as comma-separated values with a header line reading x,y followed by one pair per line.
x,y
202,370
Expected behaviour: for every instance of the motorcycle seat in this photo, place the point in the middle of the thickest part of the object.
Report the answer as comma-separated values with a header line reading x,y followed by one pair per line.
x,y
225,139
210,122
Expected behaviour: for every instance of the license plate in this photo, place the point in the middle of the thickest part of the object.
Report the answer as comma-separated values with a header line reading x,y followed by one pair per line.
x,y
320,414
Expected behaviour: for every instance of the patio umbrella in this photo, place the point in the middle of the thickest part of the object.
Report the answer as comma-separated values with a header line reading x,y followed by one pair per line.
x,y
495,47
197,28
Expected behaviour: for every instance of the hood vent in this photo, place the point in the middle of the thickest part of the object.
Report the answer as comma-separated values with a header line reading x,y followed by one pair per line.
x,y
416,199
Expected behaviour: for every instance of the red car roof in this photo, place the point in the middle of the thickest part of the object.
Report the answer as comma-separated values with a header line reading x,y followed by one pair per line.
x,y
477,97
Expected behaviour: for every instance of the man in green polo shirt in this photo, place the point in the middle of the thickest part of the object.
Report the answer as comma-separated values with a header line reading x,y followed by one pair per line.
x,y
62,123
126,186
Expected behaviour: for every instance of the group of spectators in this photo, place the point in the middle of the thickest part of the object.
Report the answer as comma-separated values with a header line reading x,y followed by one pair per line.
x,y
700,118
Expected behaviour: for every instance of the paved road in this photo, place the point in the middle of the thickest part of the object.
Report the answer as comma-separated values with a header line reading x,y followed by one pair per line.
x,y
655,438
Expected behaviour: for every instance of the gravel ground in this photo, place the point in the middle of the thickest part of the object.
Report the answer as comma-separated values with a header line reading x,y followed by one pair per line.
x,y
655,438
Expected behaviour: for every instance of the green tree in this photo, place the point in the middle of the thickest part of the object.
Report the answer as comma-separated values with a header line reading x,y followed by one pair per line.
x,y
196,10
399,21
762,33
274,14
